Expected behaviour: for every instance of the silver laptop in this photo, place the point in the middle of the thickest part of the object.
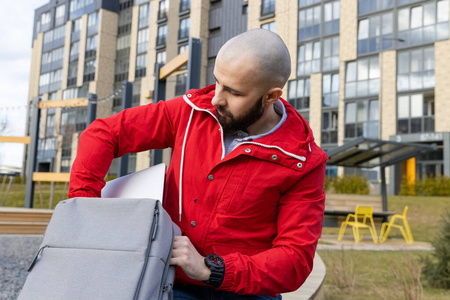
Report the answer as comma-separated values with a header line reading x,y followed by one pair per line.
x,y
147,183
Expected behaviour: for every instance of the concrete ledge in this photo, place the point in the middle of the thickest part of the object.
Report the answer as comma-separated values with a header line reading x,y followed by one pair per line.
x,y
313,287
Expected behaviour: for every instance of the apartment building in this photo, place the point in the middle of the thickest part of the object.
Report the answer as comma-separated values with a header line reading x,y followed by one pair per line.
x,y
93,46
372,68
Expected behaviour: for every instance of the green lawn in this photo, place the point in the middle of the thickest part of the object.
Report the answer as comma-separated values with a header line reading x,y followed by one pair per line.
x,y
16,196
376,275
388,274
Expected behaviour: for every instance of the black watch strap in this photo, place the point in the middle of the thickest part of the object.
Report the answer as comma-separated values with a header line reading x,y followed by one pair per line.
x,y
217,266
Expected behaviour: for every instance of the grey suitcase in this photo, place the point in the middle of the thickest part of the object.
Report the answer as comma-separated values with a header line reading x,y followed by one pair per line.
x,y
106,248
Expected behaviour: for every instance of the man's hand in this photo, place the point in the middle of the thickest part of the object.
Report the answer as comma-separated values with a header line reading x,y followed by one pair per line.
x,y
187,258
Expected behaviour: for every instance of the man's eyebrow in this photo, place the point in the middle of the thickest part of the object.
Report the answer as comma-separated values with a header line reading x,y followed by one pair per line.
x,y
228,88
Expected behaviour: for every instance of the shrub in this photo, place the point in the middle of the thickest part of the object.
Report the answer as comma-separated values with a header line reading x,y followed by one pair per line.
x,y
427,186
351,184
407,189
437,269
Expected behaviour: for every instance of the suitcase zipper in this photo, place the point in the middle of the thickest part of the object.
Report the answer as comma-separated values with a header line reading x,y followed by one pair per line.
x,y
168,287
149,245
36,258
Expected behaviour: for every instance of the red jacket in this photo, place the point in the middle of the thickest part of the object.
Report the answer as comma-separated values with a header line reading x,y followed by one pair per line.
x,y
260,207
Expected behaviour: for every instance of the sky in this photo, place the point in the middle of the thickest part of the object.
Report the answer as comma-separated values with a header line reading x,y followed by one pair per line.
x,y
16,28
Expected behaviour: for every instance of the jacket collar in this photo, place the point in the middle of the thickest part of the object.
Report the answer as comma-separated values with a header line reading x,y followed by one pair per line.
x,y
295,128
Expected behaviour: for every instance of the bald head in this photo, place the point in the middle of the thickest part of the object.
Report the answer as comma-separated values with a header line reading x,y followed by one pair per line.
x,y
265,50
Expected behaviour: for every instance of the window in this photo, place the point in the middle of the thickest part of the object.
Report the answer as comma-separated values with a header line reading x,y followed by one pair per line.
x,y
331,17
89,70
60,13
121,69
298,93
50,126
123,42
72,74
59,32
362,78
136,98
181,49
415,113
180,86
46,58
53,56
80,7
424,23
46,18
144,13
162,34
415,69
77,25
56,76
160,58
303,3
163,9
56,34
184,28
125,4
309,23
139,2
267,7
269,26
124,24
185,5
142,41
58,54
330,90
141,65
375,33
370,6
44,81
330,59
245,9
74,50
44,22
91,43
91,47
329,127
93,19
308,58
361,119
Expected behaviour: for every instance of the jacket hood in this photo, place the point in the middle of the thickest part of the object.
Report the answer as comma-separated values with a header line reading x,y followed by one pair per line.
x,y
295,128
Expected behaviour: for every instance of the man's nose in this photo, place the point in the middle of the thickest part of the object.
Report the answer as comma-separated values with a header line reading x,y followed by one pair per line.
x,y
219,99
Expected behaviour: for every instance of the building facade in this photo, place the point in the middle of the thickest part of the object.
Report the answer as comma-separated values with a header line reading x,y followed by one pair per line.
x,y
372,68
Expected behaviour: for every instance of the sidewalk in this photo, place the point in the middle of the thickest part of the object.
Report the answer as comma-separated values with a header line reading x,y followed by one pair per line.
x,y
330,242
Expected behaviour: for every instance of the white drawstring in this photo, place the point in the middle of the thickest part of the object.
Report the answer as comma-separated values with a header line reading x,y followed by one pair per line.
x,y
180,201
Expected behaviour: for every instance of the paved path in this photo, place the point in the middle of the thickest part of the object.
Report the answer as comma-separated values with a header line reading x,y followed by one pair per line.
x,y
330,242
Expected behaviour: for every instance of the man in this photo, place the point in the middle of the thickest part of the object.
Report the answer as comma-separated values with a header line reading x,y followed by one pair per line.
x,y
245,182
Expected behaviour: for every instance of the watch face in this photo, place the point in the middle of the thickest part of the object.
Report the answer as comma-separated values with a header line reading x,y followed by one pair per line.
x,y
217,260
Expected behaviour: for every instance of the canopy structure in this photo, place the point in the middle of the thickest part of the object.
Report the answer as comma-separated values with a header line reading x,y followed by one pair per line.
x,y
369,153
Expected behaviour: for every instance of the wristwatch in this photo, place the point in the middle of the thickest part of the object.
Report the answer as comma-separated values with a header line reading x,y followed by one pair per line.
x,y
215,263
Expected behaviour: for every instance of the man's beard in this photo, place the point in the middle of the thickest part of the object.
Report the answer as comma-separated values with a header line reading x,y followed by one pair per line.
x,y
233,124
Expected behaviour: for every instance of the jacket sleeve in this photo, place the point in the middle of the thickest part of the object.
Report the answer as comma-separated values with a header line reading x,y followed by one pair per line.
x,y
132,130
287,264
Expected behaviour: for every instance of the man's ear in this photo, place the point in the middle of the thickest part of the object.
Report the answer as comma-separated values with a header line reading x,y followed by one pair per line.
x,y
272,96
